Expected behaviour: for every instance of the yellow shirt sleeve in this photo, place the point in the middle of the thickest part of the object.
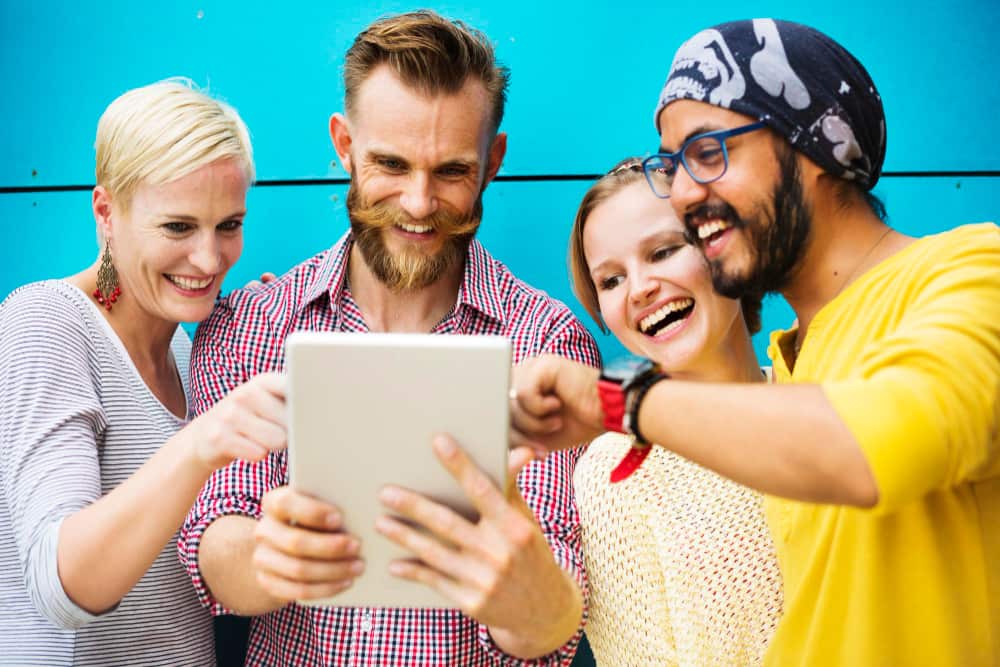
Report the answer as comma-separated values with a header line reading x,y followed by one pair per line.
x,y
925,407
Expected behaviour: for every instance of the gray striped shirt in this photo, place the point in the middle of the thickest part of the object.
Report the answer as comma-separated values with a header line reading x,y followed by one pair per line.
x,y
76,421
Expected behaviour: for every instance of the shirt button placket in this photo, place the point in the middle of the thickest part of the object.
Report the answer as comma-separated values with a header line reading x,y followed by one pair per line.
x,y
362,626
366,621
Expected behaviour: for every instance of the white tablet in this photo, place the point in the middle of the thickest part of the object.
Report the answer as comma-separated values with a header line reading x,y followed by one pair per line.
x,y
362,410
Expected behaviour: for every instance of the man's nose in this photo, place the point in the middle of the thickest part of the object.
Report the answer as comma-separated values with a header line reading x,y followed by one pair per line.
x,y
685,192
418,198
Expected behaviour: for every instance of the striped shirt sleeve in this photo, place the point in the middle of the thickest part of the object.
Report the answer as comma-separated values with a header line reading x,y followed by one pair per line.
x,y
50,427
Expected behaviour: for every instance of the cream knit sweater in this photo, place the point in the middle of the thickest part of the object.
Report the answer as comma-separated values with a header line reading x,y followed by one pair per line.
x,y
681,566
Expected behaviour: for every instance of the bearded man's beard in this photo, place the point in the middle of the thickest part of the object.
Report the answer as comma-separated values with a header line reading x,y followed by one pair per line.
x,y
410,269
777,238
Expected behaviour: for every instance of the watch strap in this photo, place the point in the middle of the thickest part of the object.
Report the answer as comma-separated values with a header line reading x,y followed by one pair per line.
x,y
641,447
612,397
630,462
633,399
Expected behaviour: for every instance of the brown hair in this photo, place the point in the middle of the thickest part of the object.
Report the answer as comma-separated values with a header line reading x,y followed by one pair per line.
x,y
622,175
428,52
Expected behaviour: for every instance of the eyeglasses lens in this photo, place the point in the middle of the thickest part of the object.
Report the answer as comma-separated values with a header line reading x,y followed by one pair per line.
x,y
705,159
659,174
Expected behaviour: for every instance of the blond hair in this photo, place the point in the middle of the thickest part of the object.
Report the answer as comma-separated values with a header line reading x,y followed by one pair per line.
x,y
164,131
622,175
429,53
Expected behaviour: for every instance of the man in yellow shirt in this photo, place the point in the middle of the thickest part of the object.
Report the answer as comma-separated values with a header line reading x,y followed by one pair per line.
x,y
881,455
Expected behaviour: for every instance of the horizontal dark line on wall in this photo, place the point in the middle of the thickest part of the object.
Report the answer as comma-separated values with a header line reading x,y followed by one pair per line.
x,y
8,190
942,174
527,178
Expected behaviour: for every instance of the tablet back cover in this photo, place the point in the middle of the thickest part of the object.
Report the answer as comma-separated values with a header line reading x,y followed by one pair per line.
x,y
362,411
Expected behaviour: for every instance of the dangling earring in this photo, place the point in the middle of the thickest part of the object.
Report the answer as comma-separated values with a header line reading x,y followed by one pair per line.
x,y
108,290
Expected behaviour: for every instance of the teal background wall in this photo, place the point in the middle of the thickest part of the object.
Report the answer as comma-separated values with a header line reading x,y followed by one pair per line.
x,y
584,78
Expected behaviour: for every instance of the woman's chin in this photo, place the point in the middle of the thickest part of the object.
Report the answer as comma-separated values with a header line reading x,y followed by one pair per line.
x,y
675,356
189,312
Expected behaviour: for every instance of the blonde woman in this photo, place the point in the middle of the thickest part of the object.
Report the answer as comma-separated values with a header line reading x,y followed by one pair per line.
x,y
98,461
681,566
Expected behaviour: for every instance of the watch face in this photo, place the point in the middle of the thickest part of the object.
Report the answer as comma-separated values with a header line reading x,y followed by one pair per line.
x,y
624,369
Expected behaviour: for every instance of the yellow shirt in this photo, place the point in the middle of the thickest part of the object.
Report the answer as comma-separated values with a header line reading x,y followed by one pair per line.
x,y
909,357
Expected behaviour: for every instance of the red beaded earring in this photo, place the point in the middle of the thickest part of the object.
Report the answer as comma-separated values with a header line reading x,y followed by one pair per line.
x,y
108,290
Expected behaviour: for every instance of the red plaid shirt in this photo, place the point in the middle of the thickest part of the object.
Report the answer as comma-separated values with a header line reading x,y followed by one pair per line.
x,y
245,335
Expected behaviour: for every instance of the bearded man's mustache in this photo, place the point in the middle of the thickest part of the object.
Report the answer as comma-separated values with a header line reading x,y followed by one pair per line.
x,y
408,271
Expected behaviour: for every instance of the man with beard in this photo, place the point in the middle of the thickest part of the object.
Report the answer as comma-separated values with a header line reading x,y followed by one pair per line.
x,y
881,458
424,98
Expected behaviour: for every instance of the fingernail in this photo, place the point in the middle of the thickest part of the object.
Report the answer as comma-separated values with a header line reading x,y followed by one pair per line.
x,y
396,568
383,525
389,495
445,446
333,520
352,547
357,567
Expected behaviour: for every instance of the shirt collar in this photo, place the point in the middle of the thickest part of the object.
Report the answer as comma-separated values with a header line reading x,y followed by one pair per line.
x,y
781,347
480,285
329,279
479,289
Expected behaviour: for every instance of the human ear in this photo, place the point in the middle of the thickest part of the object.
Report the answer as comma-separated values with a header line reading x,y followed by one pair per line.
x,y
810,172
498,149
340,135
101,205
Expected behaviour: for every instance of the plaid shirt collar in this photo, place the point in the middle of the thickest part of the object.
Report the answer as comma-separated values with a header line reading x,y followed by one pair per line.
x,y
479,288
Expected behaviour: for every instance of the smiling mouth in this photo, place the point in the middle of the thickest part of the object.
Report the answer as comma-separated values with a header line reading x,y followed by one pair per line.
x,y
415,229
189,283
710,231
669,317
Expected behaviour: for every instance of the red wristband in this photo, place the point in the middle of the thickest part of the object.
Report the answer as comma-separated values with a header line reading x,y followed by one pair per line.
x,y
621,390
630,462
613,403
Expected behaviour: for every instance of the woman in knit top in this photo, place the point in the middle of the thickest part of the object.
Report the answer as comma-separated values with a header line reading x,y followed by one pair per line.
x,y
681,566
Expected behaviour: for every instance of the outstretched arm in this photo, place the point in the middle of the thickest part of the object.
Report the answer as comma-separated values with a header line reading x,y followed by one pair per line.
x,y
105,548
782,440
916,411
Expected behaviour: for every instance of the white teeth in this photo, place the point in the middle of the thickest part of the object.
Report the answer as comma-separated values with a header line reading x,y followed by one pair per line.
x,y
670,327
709,228
416,229
680,304
188,283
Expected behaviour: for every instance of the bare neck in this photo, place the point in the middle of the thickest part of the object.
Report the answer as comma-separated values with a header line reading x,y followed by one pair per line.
x,y
146,338
740,359
846,241
414,311
733,360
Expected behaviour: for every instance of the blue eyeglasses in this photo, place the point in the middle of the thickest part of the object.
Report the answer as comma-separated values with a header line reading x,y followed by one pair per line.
x,y
704,157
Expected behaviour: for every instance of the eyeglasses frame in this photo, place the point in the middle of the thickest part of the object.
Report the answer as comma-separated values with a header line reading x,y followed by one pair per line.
x,y
674,158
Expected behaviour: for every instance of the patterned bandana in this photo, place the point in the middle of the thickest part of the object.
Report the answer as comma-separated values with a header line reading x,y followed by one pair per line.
x,y
804,85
